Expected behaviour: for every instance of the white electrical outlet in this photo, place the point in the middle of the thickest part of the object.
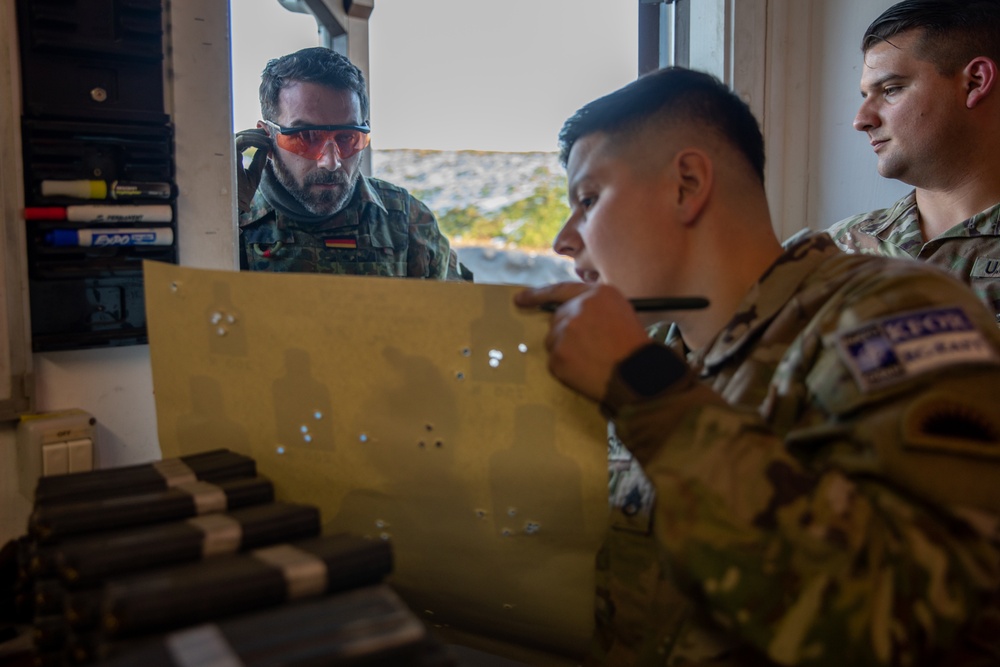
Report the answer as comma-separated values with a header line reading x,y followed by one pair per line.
x,y
54,443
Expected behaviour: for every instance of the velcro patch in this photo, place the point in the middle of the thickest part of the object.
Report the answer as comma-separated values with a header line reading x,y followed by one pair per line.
x,y
986,267
630,493
902,346
343,243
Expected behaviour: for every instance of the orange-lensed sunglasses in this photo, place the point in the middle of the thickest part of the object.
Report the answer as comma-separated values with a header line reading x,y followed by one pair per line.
x,y
310,141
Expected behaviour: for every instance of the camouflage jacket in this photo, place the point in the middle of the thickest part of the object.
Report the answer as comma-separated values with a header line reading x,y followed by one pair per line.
x,y
969,250
383,231
825,480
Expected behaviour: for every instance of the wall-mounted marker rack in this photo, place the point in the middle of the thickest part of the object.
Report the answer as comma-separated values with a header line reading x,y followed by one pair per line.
x,y
99,182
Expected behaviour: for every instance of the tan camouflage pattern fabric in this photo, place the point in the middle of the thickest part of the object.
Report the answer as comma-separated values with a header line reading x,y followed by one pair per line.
x,y
395,234
969,250
802,516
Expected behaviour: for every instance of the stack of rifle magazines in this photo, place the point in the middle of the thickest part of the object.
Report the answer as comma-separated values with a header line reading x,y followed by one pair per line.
x,y
212,466
55,522
187,560
368,626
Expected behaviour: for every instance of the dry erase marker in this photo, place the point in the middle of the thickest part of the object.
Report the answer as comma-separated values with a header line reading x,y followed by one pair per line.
x,y
96,238
101,213
88,189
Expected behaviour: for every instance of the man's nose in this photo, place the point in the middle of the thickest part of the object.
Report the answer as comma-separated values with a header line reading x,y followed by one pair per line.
x,y
330,157
866,118
568,241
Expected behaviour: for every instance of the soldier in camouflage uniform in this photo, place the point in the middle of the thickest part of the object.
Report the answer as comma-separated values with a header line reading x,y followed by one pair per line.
x,y
932,112
313,210
803,473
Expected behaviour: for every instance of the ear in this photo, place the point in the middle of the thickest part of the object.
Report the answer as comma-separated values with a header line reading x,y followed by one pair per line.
x,y
980,78
695,177
267,130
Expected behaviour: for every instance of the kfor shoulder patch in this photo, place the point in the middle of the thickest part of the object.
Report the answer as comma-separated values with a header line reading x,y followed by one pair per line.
x,y
899,347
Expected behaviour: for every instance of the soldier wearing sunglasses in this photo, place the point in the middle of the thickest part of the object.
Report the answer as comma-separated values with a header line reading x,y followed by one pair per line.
x,y
313,210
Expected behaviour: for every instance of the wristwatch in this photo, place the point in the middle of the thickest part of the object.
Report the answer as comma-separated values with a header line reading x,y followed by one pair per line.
x,y
651,369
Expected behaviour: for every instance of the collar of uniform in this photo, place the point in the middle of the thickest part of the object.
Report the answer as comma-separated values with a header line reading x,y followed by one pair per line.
x,y
258,209
899,223
365,193
902,214
985,223
768,296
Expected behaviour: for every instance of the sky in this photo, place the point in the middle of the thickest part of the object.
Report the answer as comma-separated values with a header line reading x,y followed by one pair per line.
x,y
490,75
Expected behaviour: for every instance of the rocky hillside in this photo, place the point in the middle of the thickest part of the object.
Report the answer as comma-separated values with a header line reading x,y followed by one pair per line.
x,y
448,180
453,179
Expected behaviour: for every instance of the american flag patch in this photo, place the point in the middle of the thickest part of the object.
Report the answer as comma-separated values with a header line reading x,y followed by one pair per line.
x,y
341,243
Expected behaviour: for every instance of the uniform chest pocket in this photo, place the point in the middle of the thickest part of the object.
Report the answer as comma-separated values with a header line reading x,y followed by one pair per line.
x,y
358,256
389,234
371,251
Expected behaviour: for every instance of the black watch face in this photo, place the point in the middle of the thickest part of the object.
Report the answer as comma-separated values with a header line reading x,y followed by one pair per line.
x,y
651,369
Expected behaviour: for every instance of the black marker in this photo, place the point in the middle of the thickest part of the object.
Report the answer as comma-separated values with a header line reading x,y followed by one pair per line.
x,y
653,304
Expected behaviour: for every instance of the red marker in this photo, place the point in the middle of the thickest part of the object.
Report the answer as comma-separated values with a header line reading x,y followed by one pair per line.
x,y
100,213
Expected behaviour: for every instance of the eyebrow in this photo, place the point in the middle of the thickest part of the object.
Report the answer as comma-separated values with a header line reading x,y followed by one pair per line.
x,y
572,186
585,172
881,81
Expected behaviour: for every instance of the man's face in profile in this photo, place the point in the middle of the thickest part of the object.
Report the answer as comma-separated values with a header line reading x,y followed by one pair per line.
x,y
620,230
325,185
911,112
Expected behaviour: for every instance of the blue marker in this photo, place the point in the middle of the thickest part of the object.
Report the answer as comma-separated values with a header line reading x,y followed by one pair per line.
x,y
94,238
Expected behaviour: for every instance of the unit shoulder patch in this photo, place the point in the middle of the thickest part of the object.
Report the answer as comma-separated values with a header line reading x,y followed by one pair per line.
x,y
902,346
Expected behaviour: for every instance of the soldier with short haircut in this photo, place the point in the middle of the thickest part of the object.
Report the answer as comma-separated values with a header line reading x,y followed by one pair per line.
x,y
804,472
313,210
931,110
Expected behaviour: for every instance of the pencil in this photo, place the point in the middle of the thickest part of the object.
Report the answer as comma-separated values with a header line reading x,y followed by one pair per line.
x,y
653,304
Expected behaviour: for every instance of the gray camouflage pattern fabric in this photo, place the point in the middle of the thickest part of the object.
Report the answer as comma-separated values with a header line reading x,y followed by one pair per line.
x,y
969,250
383,231
801,499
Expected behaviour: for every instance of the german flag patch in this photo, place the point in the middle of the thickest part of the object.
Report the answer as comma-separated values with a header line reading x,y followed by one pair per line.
x,y
341,243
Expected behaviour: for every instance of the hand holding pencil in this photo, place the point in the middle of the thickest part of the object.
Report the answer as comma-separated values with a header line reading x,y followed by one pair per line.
x,y
594,327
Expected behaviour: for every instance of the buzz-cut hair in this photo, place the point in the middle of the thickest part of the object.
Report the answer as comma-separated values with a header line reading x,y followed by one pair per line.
x,y
315,64
672,94
952,32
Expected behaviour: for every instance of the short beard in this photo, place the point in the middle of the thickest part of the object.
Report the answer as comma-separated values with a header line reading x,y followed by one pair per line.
x,y
326,202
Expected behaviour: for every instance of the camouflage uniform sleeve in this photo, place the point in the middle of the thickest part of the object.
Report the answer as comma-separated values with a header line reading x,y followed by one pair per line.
x,y
843,232
867,536
429,253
